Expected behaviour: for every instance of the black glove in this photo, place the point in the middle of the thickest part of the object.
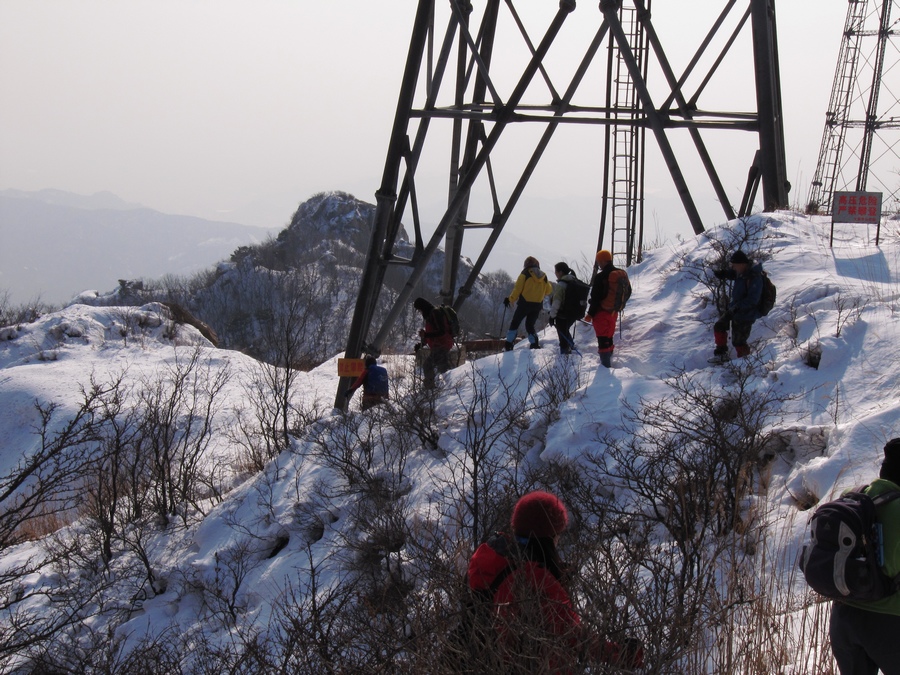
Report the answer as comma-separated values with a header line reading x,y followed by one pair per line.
x,y
506,302
551,321
720,274
417,346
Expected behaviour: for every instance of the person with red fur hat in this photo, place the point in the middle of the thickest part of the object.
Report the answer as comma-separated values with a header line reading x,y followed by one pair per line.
x,y
522,575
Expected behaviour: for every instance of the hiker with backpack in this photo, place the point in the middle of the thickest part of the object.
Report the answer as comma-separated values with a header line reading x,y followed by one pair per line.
x,y
437,335
610,290
374,383
522,579
532,286
743,307
568,304
864,632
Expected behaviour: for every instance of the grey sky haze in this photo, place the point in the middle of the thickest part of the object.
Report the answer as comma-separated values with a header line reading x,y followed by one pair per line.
x,y
239,109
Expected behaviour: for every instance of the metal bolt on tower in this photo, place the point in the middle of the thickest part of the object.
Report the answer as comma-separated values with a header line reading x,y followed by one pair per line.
x,y
493,87
863,114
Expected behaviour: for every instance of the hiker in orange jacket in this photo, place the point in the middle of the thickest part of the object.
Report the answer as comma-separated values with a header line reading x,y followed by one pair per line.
x,y
602,311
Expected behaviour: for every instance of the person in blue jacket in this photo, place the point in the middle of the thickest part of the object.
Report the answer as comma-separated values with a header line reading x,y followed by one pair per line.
x,y
864,634
743,307
374,383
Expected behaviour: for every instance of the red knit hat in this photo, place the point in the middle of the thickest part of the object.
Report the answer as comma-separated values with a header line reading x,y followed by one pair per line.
x,y
540,514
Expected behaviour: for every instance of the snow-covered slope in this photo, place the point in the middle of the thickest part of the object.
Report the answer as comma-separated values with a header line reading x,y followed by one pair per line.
x,y
831,422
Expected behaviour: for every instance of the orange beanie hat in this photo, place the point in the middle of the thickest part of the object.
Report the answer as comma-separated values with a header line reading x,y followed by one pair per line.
x,y
603,257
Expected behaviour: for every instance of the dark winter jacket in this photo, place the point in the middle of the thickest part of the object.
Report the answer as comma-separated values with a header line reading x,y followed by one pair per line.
x,y
557,301
437,333
600,289
746,293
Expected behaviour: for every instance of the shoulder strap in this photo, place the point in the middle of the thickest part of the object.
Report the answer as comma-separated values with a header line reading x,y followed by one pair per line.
x,y
885,497
501,577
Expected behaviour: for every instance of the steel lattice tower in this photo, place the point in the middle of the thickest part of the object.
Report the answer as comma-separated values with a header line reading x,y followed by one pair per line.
x,y
485,75
863,114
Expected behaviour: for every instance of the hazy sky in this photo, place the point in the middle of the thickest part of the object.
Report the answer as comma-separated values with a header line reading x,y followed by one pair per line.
x,y
241,109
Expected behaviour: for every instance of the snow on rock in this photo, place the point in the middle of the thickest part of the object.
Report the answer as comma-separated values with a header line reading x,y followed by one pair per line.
x,y
832,425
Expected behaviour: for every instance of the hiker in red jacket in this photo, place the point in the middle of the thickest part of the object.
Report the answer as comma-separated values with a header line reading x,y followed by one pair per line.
x,y
438,337
537,627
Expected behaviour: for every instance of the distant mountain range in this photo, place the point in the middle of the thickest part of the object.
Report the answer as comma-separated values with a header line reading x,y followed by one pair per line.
x,y
54,244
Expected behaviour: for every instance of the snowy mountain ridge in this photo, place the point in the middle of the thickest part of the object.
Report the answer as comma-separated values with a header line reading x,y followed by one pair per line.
x,y
364,513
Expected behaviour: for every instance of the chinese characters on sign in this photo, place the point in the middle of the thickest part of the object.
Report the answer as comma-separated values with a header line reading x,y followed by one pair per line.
x,y
856,207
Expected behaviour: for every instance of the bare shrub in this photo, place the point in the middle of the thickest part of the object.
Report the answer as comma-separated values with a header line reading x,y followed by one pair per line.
x,y
848,310
679,527
178,410
222,593
489,473
46,482
12,314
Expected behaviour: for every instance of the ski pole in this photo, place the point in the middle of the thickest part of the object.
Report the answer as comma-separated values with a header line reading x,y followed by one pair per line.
x,y
502,322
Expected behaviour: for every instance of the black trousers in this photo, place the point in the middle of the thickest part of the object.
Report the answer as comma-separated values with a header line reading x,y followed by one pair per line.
x,y
564,331
740,330
863,641
530,311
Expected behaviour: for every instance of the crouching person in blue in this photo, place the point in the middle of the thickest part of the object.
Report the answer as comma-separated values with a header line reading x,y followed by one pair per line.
x,y
864,635
743,307
374,383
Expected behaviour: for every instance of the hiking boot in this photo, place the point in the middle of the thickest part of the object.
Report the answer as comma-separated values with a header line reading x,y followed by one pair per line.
x,y
719,358
606,359
535,345
507,346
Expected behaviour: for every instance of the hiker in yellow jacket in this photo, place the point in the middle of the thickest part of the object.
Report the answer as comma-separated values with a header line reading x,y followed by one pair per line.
x,y
528,295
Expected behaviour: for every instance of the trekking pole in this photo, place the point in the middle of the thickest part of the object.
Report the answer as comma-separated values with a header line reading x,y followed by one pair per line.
x,y
573,347
502,322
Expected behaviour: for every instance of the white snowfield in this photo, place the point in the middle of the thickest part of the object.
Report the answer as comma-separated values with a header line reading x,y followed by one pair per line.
x,y
833,421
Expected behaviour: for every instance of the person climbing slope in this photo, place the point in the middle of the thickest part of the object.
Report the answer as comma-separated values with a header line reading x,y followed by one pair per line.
x,y
532,286
610,290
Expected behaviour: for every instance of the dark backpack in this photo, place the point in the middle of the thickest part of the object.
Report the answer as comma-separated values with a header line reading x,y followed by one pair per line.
x,y
767,298
844,556
620,289
474,634
450,319
575,299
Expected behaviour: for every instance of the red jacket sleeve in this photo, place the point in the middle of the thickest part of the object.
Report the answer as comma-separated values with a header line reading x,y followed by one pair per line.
x,y
360,381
